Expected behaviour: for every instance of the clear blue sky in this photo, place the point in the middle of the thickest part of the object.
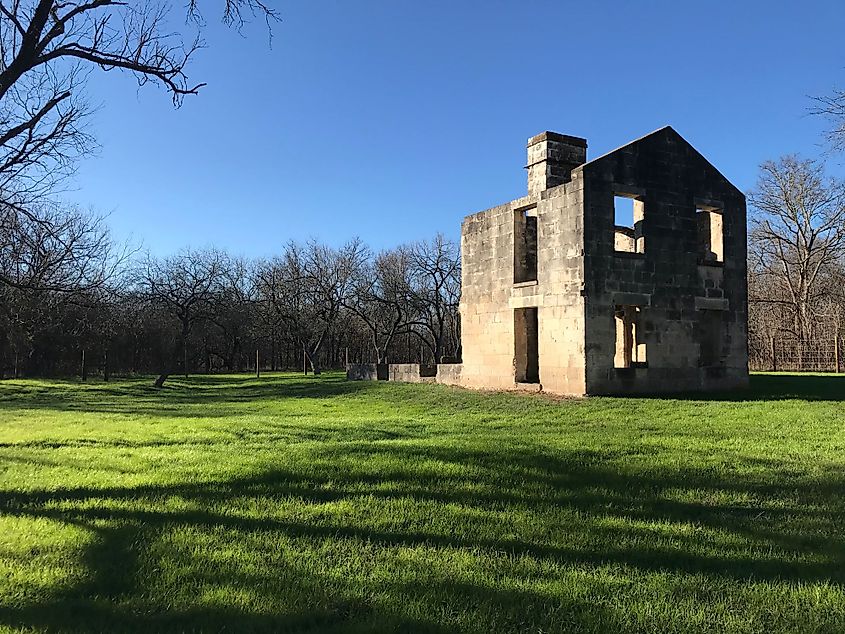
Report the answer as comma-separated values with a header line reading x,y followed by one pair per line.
x,y
392,120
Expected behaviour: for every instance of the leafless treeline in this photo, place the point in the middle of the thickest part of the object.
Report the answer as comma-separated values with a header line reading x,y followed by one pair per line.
x,y
796,267
206,311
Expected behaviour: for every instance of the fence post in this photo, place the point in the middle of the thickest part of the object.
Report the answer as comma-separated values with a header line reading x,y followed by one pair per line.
x,y
836,352
84,367
257,365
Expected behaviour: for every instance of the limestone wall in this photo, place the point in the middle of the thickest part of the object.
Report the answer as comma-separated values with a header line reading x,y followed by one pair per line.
x,y
412,372
404,372
685,303
487,274
490,296
558,291
449,373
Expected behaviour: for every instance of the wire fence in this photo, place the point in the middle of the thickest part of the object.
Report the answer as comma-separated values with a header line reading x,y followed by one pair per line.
x,y
783,352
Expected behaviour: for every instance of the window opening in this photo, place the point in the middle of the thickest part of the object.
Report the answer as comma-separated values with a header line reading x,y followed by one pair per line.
x,y
526,346
630,340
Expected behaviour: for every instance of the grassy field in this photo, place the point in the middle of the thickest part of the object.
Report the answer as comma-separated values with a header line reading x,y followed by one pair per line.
x,y
320,505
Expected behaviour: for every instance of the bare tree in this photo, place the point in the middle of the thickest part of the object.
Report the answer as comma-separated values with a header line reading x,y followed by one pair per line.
x,y
306,290
57,249
435,290
797,239
309,303
381,298
832,108
49,47
232,312
186,285
329,277
271,290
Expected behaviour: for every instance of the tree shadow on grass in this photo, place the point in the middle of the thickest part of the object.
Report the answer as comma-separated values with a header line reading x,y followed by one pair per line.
x,y
674,521
206,396
772,387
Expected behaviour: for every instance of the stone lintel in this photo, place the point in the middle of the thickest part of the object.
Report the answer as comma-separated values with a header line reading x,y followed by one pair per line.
x,y
628,190
526,301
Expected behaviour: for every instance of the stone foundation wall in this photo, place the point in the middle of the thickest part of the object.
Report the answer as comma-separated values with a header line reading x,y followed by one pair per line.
x,y
412,372
403,372
449,373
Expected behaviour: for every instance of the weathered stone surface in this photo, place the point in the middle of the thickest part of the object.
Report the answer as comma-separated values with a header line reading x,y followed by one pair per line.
x,y
412,372
449,373
404,372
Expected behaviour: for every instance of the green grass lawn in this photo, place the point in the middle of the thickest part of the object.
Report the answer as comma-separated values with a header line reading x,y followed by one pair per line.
x,y
320,505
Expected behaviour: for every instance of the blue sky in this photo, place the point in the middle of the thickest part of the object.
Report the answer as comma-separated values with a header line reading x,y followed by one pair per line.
x,y
392,120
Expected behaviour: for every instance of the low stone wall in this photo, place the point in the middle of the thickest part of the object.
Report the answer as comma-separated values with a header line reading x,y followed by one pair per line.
x,y
449,373
404,372
412,372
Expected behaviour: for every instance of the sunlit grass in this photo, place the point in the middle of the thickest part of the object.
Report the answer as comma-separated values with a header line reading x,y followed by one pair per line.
x,y
315,504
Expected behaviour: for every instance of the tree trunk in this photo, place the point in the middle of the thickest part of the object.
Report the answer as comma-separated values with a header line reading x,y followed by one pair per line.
x,y
313,360
186,330
438,346
173,365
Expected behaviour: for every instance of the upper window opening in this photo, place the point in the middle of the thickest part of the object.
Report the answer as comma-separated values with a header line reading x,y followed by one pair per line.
x,y
628,224
525,245
711,244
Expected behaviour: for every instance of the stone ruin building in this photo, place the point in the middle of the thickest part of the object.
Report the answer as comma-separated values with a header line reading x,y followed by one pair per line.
x,y
623,274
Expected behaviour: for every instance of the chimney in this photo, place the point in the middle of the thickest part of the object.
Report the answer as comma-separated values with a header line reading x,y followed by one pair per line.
x,y
551,159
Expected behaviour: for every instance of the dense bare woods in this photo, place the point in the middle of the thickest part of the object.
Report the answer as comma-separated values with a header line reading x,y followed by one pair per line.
x,y
203,310
796,262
